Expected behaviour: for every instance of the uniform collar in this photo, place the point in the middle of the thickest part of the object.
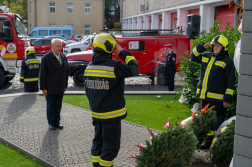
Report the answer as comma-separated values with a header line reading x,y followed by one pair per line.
x,y
220,55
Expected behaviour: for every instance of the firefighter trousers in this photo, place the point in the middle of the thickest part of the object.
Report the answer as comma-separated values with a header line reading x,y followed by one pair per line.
x,y
170,81
31,86
106,143
220,115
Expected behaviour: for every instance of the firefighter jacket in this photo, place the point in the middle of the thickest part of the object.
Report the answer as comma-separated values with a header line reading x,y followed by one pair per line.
x,y
30,69
104,85
170,60
217,76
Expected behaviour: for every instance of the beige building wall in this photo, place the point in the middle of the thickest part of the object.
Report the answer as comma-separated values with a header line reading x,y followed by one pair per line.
x,y
61,18
132,7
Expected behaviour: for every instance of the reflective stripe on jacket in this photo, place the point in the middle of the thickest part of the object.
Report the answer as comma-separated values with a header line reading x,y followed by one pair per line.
x,y
30,69
104,85
217,76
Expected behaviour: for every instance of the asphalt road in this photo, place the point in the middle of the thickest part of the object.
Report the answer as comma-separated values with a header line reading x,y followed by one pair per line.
x,y
131,84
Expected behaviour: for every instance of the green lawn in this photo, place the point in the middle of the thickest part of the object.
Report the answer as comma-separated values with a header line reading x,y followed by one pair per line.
x,y
10,157
145,110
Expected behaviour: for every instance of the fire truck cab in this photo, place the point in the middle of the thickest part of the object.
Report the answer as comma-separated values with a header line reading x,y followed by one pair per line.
x,y
13,41
146,49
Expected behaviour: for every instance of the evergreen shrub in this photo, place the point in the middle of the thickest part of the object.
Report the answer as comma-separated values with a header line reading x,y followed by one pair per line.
x,y
174,148
202,122
222,146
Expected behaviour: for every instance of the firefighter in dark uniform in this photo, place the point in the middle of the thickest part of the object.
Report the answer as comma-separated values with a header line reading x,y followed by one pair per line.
x,y
104,85
30,71
217,79
170,68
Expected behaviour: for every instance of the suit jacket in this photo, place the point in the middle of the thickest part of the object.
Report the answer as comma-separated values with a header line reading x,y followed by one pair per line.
x,y
53,76
170,60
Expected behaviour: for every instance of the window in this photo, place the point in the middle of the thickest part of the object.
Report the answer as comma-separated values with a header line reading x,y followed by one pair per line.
x,y
39,42
20,28
53,32
70,8
33,33
87,8
47,41
87,30
136,46
43,32
31,28
52,8
30,7
5,32
68,32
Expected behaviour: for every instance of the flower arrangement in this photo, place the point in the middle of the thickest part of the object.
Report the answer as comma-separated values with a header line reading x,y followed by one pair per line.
x,y
174,147
202,122
222,146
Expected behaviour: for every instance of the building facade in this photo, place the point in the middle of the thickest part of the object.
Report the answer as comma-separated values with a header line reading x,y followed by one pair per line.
x,y
86,16
169,14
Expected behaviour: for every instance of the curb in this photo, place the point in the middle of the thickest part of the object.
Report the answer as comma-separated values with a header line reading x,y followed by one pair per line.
x,y
83,93
40,160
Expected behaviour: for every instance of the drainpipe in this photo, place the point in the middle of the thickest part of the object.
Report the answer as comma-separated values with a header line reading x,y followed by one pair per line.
x,y
121,10
236,15
35,13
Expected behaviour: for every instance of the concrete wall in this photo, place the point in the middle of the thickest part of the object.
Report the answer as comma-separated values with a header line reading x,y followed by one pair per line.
x,y
243,137
78,19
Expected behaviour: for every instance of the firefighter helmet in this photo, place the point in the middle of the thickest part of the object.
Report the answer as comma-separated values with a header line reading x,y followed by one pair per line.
x,y
105,42
29,51
221,40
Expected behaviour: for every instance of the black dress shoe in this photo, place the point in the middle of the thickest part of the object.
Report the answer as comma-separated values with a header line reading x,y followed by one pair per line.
x,y
59,126
52,127
204,147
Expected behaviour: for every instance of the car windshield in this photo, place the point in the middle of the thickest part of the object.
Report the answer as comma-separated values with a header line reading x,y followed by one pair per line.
x,y
20,28
84,38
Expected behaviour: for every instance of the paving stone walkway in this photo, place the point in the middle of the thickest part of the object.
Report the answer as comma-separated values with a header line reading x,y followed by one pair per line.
x,y
23,122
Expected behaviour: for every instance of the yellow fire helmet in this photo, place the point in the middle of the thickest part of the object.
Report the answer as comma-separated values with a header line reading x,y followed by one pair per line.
x,y
221,40
104,41
30,50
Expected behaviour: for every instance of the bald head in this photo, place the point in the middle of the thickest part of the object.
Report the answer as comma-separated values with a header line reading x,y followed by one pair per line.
x,y
56,45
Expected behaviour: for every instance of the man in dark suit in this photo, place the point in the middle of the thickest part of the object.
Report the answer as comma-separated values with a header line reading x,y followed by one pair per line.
x,y
54,82
170,68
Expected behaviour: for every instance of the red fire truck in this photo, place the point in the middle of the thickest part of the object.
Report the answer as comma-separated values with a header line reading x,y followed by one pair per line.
x,y
13,41
146,49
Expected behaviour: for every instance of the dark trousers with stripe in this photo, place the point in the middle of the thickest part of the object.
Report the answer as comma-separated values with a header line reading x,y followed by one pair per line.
x,y
220,115
106,142
170,81
54,104
31,86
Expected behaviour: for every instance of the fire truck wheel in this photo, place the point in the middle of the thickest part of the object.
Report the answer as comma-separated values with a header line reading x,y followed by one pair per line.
x,y
2,78
75,50
7,79
78,77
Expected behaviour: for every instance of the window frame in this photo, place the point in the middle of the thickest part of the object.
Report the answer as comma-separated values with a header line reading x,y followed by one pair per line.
x,y
87,29
87,8
72,8
52,6
141,45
